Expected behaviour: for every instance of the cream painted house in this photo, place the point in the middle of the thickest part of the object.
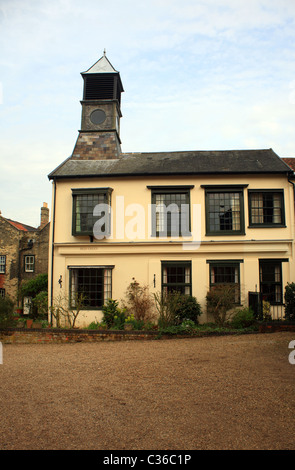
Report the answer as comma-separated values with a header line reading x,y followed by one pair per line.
x,y
175,220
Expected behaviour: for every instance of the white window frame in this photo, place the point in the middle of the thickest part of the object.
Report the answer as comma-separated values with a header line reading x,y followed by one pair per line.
x,y
30,264
2,264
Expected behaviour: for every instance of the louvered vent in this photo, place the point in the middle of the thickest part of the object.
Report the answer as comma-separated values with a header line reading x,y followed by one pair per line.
x,y
101,87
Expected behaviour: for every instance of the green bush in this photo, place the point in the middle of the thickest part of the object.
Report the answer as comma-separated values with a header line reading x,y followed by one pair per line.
x,y
167,305
290,301
136,324
113,316
119,319
40,301
243,318
32,287
220,299
93,326
139,302
109,311
188,308
7,318
37,289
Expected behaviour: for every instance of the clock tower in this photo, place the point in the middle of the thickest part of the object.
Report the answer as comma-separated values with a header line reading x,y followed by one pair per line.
x,y
99,136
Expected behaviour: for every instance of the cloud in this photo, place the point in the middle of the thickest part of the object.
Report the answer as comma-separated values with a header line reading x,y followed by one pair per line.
x,y
199,74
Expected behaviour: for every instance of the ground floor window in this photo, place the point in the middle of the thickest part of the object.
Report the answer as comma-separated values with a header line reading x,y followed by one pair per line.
x,y
27,305
176,276
2,293
226,273
270,274
95,285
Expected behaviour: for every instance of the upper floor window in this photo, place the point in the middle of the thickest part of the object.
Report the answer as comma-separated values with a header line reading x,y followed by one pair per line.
x,y
29,263
2,264
266,208
170,210
224,210
89,207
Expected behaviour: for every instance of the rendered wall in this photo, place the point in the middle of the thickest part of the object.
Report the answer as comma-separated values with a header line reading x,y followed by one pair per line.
x,y
141,257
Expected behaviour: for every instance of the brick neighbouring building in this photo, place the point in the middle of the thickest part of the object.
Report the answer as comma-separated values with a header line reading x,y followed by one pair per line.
x,y
23,253
290,161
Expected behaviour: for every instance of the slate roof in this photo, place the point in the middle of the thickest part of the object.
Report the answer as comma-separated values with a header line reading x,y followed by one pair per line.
x,y
176,163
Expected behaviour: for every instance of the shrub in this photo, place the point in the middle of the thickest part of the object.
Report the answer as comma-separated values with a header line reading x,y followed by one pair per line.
x,y
290,301
139,302
136,324
243,318
41,303
93,325
36,288
65,311
188,308
6,312
119,319
266,315
110,310
32,287
220,299
167,305
113,316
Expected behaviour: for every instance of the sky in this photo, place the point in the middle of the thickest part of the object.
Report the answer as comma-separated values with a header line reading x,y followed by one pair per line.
x,y
197,75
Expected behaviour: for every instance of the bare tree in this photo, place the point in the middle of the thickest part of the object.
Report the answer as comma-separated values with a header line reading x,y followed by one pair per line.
x,y
66,312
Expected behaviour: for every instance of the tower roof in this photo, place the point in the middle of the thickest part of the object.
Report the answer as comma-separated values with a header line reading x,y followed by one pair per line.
x,y
103,65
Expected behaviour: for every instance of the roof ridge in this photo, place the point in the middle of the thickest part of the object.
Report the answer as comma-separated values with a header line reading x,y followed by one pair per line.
x,y
20,225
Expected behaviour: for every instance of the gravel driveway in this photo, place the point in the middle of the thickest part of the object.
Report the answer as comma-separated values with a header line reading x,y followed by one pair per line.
x,y
230,392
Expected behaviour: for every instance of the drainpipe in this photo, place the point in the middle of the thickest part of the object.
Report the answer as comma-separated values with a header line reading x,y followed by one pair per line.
x,y
52,247
293,184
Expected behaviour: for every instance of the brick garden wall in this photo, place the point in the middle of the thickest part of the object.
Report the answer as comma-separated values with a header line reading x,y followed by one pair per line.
x,y
51,335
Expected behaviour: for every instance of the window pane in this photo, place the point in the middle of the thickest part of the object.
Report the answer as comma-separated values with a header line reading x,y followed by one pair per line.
x,y
29,264
229,275
172,214
2,263
224,212
84,206
94,284
176,277
271,281
266,208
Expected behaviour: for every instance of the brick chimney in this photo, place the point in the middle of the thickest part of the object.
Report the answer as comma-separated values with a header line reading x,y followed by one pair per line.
x,y
44,215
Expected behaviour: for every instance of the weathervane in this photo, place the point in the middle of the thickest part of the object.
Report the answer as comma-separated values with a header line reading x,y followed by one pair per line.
x,y
104,52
